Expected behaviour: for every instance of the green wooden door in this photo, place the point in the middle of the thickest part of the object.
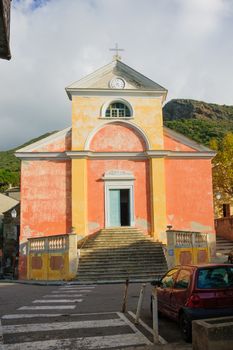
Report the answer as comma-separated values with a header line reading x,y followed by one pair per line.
x,y
114,208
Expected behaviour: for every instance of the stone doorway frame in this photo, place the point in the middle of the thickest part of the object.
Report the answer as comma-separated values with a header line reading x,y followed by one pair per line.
x,y
118,180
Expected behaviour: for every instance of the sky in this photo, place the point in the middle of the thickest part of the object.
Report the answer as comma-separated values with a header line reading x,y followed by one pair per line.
x,y
184,45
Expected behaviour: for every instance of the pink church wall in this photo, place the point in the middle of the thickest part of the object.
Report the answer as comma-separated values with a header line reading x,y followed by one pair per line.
x,y
189,194
173,145
117,138
96,170
45,201
61,144
113,138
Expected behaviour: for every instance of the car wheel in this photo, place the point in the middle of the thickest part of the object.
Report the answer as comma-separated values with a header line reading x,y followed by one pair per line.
x,y
185,327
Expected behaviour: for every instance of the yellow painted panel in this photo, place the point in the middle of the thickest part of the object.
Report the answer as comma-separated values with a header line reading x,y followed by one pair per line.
x,y
86,113
158,199
79,196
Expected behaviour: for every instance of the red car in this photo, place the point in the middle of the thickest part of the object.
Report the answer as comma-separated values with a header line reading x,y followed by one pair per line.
x,y
192,292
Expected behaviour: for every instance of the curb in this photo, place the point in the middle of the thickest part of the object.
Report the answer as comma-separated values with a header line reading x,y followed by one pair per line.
x,y
61,283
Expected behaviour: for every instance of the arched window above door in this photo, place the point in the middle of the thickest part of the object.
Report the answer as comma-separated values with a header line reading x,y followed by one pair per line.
x,y
118,109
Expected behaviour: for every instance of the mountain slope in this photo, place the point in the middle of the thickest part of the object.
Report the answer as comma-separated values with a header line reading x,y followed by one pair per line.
x,y
198,120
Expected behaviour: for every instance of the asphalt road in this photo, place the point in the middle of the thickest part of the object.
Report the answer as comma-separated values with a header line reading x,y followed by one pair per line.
x,y
94,310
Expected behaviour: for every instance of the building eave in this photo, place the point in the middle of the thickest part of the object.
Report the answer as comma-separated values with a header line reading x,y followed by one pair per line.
x,y
35,145
115,92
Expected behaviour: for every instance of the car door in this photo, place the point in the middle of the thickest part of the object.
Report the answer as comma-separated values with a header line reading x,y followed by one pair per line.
x,y
164,291
180,291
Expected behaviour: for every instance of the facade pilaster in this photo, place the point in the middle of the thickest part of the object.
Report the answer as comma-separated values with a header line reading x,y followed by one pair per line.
x,y
158,199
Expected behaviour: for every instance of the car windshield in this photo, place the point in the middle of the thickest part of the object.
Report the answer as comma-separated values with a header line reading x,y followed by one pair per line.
x,y
215,277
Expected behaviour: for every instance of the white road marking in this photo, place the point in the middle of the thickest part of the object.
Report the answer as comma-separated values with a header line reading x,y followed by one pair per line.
x,y
161,339
58,301
62,295
40,327
1,336
88,343
47,307
79,286
72,291
133,327
18,316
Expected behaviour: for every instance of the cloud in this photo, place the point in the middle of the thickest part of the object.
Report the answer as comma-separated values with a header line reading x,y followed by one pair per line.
x,y
184,45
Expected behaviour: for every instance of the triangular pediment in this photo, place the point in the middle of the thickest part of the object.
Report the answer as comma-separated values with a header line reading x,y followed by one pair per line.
x,y
101,78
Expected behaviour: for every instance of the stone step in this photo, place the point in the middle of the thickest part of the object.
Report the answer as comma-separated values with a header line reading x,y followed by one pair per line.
x,y
119,267
123,260
218,244
116,253
122,273
121,229
116,264
123,248
123,256
118,271
120,239
120,277
223,240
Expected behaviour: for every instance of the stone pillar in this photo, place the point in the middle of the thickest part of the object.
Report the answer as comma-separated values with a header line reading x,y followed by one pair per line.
x,y
73,256
79,196
158,199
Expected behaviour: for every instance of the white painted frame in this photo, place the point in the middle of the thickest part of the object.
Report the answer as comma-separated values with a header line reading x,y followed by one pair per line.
x,y
120,180
115,100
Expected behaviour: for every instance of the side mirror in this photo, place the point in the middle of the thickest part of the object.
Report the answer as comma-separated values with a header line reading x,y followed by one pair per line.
x,y
156,283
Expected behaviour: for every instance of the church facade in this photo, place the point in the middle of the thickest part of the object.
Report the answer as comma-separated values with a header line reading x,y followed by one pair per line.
x,y
117,165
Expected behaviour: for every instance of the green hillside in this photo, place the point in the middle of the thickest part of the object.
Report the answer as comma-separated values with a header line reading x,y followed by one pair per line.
x,y
198,120
10,165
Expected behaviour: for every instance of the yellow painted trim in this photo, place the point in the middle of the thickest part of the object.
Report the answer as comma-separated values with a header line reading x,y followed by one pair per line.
x,y
79,196
193,251
158,199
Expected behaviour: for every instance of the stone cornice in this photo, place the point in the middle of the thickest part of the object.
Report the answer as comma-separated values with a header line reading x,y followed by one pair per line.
x,y
113,155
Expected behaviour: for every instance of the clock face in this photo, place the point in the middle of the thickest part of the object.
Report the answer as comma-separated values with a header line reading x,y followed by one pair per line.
x,y
117,83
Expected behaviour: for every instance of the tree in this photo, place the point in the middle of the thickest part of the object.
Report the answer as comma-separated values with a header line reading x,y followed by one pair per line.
x,y
223,169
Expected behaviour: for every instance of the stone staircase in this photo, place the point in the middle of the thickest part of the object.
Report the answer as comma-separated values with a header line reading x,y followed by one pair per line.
x,y
117,253
223,247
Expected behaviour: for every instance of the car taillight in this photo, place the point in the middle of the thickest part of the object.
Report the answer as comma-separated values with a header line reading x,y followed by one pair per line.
x,y
194,301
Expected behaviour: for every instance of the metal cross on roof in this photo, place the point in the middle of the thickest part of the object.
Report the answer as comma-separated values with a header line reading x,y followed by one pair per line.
x,y
116,49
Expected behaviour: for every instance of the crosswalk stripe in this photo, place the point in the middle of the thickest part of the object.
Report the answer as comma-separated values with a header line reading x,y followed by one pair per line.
x,y
18,316
76,288
58,301
79,286
1,336
63,295
40,327
89,343
72,291
47,307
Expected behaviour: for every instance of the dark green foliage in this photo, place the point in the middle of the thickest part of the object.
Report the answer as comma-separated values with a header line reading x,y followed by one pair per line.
x,y
200,121
10,165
